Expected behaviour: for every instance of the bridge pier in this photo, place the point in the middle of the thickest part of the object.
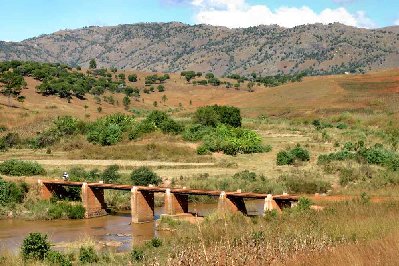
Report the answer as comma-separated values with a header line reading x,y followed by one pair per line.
x,y
231,204
175,203
47,191
271,204
142,206
93,201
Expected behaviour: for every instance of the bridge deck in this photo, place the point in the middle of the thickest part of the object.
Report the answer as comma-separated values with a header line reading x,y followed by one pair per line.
x,y
172,190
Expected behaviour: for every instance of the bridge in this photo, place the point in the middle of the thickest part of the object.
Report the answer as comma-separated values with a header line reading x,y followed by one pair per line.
x,y
175,199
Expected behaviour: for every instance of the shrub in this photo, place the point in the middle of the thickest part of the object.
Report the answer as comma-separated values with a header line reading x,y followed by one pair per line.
x,y
105,135
143,176
170,126
300,153
213,115
232,140
35,246
298,184
142,128
137,255
11,139
21,168
155,242
87,255
245,175
290,156
110,174
285,158
57,258
67,125
196,132
11,192
304,204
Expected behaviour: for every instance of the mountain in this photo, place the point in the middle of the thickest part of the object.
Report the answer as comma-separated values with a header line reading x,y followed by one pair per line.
x,y
171,47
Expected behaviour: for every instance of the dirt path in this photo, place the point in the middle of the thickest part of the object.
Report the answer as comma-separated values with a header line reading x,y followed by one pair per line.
x,y
122,163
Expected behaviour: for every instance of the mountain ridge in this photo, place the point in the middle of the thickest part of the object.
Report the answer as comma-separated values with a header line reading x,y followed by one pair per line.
x,y
175,46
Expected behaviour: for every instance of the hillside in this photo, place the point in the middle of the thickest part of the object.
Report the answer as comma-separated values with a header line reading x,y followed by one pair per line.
x,y
172,47
362,95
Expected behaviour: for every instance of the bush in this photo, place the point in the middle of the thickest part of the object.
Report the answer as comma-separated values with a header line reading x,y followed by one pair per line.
x,y
170,126
110,174
143,176
11,193
68,125
108,130
87,255
285,158
35,246
245,175
21,168
57,258
76,212
155,242
143,128
298,184
137,255
290,156
213,115
304,204
232,140
196,132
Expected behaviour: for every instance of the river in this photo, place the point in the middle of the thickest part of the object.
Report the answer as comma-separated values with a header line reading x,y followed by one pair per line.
x,y
114,228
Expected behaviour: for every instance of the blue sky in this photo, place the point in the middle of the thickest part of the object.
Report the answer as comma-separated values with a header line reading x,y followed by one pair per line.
x,y
21,19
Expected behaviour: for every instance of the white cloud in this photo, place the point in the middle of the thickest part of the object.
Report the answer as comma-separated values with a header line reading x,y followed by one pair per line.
x,y
238,13
396,22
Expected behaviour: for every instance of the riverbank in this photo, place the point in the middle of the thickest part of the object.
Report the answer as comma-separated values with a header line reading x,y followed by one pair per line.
x,y
274,239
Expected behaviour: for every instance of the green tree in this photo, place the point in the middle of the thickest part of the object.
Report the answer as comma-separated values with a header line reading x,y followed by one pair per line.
x,y
143,176
93,64
132,78
13,84
164,99
126,101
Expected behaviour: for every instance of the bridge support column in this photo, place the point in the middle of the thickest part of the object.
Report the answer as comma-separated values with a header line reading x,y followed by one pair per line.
x,y
175,203
93,201
231,204
270,204
142,206
46,190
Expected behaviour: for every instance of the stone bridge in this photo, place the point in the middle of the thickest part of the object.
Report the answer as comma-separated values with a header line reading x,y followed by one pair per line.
x,y
176,199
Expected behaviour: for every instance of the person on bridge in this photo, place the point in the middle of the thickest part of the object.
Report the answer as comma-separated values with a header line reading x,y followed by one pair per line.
x,y
65,176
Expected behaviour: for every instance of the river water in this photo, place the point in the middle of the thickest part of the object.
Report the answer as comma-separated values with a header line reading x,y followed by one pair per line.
x,y
107,229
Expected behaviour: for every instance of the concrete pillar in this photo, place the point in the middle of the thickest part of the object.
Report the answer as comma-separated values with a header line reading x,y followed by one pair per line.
x,y
175,203
231,204
142,206
45,190
93,201
270,204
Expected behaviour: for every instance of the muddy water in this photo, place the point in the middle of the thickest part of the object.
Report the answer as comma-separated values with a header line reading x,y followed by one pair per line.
x,y
108,229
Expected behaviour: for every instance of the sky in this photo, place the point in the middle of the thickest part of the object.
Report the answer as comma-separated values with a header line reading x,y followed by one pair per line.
x,y
22,19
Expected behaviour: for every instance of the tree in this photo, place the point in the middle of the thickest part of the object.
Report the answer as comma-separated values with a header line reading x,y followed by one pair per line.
x,y
250,86
132,78
93,64
209,75
143,176
126,101
164,99
13,84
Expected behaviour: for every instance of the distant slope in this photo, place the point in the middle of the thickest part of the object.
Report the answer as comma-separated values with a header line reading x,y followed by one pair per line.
x,y
171,47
